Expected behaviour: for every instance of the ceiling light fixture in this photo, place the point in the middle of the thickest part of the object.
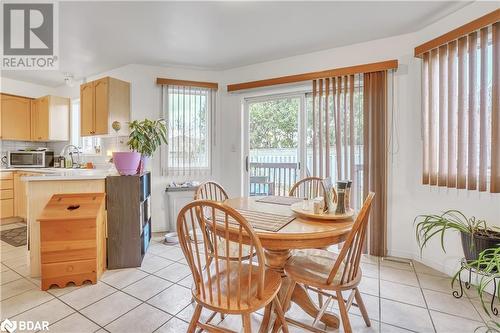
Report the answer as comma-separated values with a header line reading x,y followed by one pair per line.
x,y
68,79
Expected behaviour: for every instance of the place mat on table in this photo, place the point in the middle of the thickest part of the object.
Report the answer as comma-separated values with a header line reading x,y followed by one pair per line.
x,y
277,200
260,220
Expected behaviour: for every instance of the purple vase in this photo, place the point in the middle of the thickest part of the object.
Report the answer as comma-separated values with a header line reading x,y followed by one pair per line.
x,y
126,162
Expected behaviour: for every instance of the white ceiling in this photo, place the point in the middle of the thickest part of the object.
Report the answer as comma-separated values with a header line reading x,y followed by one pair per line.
x,y
98,36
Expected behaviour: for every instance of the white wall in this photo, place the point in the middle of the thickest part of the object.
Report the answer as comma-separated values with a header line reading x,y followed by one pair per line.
x,y
15,87
406,196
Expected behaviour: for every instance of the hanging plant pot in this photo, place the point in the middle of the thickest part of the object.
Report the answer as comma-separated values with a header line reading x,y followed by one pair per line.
x,y
127,162
480,241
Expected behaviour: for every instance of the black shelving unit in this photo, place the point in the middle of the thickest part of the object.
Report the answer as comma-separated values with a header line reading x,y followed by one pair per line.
x,y
128,201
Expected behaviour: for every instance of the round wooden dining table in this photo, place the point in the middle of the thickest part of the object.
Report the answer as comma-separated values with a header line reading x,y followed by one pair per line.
x,y
300,233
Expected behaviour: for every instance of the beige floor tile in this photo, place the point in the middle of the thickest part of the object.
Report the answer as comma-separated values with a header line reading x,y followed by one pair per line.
x,y
396,264
371,304
436,283
445,302
15,287
421,268
174,272
88,294
110,308
187,313
25,301
369,270
369,286
169,252
174,325
398,275
148,287
446,323
186,282
76,323
164,300
8,275
51,312
153,263
485,315
120,278
370,259
21,269
402,293
386,328
18,252
143,318
406,316
358,325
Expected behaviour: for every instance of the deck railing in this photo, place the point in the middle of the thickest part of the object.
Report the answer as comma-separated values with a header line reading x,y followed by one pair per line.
x,y
272,178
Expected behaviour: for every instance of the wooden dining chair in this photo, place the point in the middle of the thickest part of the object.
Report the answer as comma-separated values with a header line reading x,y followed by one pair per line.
x,y
224,286
211,190
330,274
310,188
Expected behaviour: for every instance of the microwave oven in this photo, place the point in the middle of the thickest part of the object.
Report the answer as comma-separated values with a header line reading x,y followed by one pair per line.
x,y
30,159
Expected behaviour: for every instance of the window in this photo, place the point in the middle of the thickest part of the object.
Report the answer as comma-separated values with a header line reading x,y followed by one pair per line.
x,y
460,132
88,145
189,115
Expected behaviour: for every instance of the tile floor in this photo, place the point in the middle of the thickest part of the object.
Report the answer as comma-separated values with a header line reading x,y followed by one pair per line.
x,y
156,298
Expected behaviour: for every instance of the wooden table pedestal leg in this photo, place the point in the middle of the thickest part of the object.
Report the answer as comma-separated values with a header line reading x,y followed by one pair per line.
x,y
276,260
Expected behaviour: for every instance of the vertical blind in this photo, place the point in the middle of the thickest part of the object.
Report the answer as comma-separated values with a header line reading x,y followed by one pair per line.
x,y
460,112
336,121
190,116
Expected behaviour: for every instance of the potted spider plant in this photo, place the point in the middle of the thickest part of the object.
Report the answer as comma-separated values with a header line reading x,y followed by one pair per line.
x,y
487,265
145,137
475,234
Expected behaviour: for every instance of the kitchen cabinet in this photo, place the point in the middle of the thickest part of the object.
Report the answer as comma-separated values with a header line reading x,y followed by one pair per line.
x,y
15,117
6,195
20,200
103,102
50,119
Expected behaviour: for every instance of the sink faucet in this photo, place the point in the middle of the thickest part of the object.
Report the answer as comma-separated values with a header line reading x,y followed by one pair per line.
x,y
71,149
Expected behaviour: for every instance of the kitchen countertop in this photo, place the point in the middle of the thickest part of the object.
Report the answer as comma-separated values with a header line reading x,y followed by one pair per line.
x,y
51,174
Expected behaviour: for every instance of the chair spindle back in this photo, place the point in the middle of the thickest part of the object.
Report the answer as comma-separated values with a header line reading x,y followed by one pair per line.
x,y
213,279
350,255
210,190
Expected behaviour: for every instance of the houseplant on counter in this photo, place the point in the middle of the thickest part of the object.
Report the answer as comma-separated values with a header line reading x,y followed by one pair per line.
x,y
146,137
475,234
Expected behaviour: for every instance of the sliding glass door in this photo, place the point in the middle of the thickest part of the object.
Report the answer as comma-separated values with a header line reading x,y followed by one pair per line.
x,y
273,144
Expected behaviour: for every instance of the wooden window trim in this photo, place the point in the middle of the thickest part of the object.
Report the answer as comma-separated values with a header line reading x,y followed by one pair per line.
x,y
454,34
198,84
351,70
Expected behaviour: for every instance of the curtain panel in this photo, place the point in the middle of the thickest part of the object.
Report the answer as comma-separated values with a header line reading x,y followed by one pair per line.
x,y
349,126
460,112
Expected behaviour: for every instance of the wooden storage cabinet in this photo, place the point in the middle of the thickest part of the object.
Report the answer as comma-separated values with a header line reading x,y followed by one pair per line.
x,y
102,102
73,239
15,117
129,219
7,194
50,119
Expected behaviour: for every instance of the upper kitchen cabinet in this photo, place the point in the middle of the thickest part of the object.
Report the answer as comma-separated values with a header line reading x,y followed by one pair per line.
x,y
103,102
50,119
15,117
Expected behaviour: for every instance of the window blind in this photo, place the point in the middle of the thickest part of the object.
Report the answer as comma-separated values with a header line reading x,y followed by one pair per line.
x,y
190,117
460,112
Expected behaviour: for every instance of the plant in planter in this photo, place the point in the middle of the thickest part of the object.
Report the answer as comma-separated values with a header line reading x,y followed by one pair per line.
x,y
488,266
146,137
476,236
